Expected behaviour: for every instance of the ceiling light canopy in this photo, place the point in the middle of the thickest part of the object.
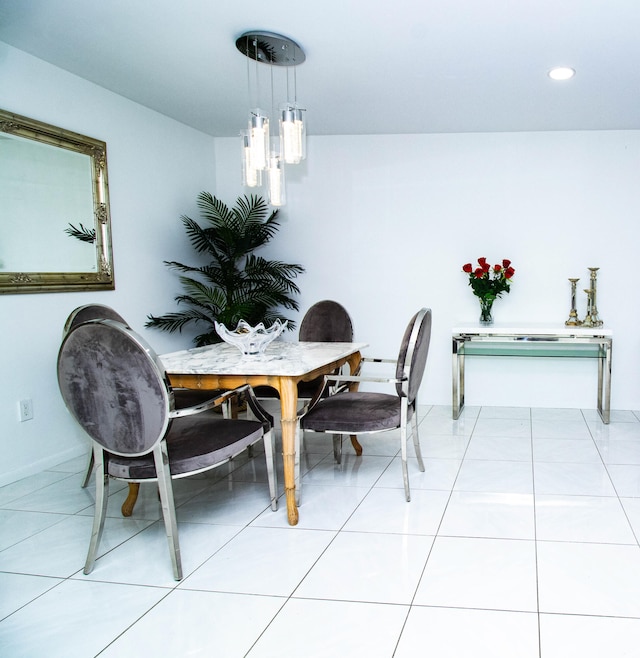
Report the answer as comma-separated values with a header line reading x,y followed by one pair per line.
x,y
262,151
270,48
561,73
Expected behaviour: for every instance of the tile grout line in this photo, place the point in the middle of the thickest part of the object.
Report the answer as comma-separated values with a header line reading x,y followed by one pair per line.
x,y
535,534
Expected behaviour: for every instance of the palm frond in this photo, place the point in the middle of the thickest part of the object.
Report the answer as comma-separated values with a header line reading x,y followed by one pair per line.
x,y
236,284
214,210
174,265
82,233
170,322
199,237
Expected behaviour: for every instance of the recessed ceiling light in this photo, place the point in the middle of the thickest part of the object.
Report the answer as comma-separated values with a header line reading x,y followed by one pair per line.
x,y
561,73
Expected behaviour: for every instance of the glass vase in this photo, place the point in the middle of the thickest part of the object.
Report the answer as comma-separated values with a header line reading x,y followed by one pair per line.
x,y
486,307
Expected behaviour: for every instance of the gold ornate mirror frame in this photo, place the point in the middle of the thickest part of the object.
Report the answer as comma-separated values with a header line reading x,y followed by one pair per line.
x,y
55,228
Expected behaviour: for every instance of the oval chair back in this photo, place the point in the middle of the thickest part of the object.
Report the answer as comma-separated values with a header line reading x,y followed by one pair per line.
x,y
182,397
326,322
113,386
91,312
412,358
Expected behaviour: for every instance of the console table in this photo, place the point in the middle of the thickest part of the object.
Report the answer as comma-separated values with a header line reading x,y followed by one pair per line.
x,y
533,340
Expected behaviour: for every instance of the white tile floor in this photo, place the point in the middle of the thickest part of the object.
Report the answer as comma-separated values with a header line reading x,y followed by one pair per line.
x,y
521,540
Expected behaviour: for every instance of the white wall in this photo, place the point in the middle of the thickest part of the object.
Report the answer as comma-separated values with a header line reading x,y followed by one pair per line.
x,y
384,224
381,223
156,169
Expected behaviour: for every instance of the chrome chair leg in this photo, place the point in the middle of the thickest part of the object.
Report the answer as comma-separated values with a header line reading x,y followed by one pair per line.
x,y
161,458
337,448
416,440
299,446
271,471
405,470
100,513
89,469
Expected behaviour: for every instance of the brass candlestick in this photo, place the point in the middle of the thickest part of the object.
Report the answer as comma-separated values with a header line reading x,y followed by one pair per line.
x,y
588,322
573,313
595,320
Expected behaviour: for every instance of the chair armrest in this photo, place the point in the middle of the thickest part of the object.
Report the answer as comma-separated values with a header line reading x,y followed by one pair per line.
x,y
370,359
258,410
363,378
328,379
221,399
202,406
357,377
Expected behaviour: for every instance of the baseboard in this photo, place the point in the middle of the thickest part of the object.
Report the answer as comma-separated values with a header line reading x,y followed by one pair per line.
x,y
41,465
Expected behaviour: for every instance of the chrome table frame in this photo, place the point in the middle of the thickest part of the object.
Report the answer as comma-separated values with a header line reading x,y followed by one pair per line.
x,y
533,340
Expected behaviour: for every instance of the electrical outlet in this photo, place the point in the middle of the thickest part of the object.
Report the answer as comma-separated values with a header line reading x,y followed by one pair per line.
x,y
25,410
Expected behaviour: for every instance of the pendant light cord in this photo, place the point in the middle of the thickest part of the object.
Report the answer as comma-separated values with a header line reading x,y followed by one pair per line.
x,y
255,44
273,111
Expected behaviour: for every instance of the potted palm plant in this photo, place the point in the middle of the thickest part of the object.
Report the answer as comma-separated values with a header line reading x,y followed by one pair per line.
x,y
236,284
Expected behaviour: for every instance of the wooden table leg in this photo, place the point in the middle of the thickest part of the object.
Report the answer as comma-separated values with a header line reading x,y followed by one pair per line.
x,y
130,500
288,407
354,367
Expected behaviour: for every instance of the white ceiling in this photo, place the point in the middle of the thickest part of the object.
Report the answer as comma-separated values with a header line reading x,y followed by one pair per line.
x,y
373,66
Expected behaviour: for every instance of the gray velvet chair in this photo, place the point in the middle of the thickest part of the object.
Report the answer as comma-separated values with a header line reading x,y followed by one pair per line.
x,y
367,412
115,387
87,312
324,322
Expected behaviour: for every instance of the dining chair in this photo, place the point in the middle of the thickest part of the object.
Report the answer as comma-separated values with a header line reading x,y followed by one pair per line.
x,y
370,412
116,388
326,321
183,397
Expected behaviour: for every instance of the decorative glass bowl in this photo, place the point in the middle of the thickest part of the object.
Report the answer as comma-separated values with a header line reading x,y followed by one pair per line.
x,y
251,341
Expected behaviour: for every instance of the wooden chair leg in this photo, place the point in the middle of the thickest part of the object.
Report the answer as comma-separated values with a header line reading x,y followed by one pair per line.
x,y
356,445
130,500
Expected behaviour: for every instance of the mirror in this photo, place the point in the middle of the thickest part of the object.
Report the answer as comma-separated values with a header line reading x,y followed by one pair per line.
x,y
55,229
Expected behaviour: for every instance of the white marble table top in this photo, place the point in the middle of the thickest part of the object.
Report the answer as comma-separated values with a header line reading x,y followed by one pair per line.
x,y
529,328
282,358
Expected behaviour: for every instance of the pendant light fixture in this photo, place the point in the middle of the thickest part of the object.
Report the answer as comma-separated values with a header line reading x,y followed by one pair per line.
x,y
293,136
277,193
251,176
261,151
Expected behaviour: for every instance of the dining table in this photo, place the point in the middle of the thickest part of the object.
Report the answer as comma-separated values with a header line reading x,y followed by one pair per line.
x,y
282,366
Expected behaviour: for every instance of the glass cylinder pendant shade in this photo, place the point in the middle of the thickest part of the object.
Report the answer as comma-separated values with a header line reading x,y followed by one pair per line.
x,y
292,134
259,139
251,177
276,181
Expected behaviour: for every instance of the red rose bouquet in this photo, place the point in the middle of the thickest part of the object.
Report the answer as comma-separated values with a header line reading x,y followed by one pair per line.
x,y
488,283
